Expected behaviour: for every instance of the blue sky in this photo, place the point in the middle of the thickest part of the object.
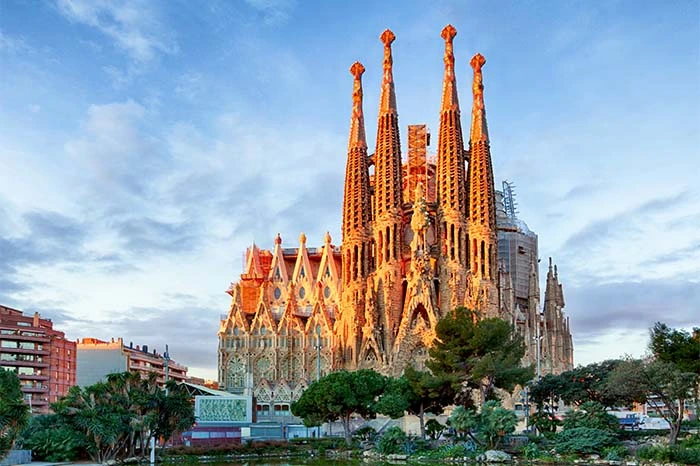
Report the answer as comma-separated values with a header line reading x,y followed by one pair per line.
x,y
145,144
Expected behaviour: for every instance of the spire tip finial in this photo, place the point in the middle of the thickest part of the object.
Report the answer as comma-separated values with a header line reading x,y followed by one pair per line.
x,y
387,37
448,33
357,69
477,62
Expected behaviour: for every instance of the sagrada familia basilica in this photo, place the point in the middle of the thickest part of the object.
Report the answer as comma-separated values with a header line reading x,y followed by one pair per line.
x,y
420,237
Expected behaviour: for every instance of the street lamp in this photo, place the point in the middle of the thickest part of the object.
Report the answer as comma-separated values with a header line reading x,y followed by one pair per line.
x,y
318,354
538,340
318,363
166,357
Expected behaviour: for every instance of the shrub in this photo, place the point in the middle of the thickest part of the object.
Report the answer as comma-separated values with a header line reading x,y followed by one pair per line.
x,y
365,434
616,453
545,422
675,453
593,416
51,439
393,441
584,440
531,451
490,425
434,429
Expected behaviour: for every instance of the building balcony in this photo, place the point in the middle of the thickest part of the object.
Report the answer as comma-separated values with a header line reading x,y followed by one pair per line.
x,y
40,352
33,377
35,389
35,364
32,338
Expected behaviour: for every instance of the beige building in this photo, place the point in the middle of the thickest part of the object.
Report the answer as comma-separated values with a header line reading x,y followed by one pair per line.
x,y
97,358
419,237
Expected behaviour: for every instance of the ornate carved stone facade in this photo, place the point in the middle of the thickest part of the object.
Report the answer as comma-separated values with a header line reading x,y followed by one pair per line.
x,y
418,239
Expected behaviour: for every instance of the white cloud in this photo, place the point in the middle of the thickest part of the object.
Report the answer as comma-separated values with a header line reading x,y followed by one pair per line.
x,y
274,11
133,25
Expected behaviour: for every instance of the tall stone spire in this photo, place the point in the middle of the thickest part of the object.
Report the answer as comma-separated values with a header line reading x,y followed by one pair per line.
x,y
356,228
388,199
451,188
481,211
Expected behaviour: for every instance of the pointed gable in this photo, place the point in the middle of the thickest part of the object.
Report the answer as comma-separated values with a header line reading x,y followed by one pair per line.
x,y
302,277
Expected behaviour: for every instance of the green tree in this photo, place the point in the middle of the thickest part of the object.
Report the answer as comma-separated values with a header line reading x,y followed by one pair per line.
x,y
52,439
13,412
483,354
119,416
418,393
487,427
661,381
676,346
680,348
434,429
339,395
578,386
593,416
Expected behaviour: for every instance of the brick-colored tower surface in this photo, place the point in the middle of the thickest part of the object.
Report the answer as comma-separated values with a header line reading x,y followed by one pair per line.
x,y
482,283
388,203
357,233
451,191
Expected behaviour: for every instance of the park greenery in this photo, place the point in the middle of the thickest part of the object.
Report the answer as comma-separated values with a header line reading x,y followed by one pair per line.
x,y
13,412
669,378
471,362
468,355
110,420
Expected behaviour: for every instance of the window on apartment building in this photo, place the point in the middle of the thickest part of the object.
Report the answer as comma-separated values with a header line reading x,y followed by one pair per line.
x,y
25,371
8,344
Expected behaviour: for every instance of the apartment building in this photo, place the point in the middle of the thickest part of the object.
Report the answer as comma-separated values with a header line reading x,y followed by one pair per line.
x,y
42,357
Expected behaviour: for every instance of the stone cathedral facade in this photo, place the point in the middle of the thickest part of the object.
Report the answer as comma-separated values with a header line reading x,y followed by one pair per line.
x,y
420,236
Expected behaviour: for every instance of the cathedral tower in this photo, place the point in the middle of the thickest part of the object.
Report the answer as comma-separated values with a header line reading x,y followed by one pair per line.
x,y
451,188
357,235
482,292
388,203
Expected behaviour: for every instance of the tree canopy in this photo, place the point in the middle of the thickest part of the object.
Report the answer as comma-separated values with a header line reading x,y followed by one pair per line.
x,y
121,415
483,354
676,346
579,385
418,393
13,412
341,394
660,381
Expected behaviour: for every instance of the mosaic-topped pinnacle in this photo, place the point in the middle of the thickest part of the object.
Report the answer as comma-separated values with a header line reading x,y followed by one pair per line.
x,y
448,33
302,238
357,70
387,37
387,98
477,62
278,239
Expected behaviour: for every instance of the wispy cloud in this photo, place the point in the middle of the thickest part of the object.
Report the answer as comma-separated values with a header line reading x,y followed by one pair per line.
x,y
273,12
631,307
133,25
